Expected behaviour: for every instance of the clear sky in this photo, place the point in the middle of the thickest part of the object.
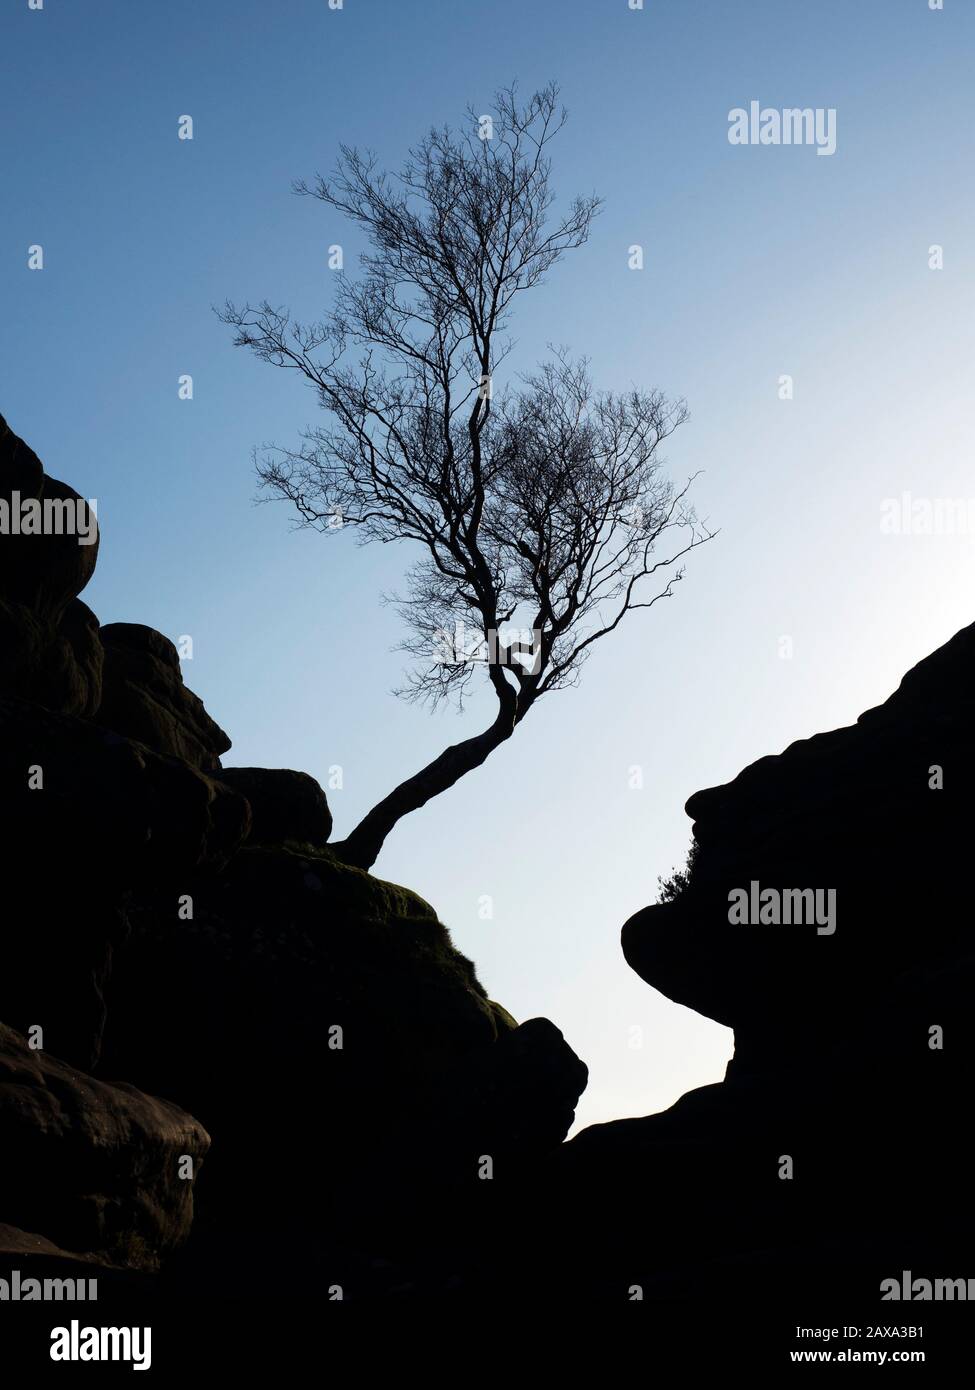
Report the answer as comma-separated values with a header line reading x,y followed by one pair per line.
x,y
759,262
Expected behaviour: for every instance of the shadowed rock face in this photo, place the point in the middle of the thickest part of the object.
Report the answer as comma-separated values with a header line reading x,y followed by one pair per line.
x,y
49,645
285,805
186,930
42,571
853,1050
98,1167
98,818
383,1068
852,811
53,663
143,697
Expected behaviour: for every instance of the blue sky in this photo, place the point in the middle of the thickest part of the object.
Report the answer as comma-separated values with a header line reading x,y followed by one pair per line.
x,y
759,262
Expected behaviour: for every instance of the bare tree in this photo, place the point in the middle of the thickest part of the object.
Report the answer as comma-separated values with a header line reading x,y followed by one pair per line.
x,y
538,507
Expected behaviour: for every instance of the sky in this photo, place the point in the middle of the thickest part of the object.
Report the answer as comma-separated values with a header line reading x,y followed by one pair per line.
x,y
760,262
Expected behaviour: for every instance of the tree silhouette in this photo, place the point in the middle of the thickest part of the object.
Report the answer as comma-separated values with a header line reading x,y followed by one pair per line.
x,y
538,506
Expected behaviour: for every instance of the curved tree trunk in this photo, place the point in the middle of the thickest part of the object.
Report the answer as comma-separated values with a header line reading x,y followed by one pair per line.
x,y
362,847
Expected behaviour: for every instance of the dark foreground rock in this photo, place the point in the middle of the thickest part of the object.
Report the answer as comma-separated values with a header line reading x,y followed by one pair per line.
x,y
378,1123
143,697
101,1169
88,818
382,1069
854,1048
877,814
185,930
285,805
36,1270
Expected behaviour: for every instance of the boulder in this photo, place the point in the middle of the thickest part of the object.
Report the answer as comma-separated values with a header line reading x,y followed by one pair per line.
x,y
49,646
144,698
875,813
86,817
383,1069
54,662
21,470
42,571
285,805
98,1168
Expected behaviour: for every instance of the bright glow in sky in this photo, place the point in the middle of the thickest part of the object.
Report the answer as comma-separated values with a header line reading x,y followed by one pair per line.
x,y
759,262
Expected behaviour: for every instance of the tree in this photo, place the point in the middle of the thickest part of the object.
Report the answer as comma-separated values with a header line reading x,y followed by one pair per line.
x,y
538,506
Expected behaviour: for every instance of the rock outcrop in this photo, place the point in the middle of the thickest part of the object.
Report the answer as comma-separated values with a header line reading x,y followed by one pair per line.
x,y
186,929
99,1168
89,818
48,637
826,1161
875,813
144,698
46,563
182,930
381,1066
285,806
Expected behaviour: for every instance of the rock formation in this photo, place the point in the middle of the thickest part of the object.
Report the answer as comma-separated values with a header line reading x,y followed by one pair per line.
x,y
96,1166
144,698
183,928
828,1158
855,811
335,1075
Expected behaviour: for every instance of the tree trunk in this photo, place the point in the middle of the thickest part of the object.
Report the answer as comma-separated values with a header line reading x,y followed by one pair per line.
x,y
362,847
